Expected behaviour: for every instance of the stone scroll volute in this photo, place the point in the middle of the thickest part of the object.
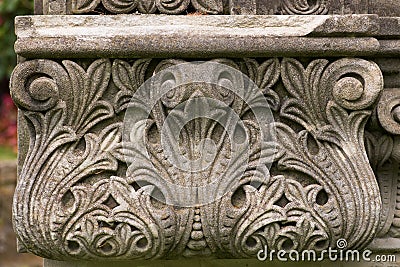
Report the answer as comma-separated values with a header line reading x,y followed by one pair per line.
x,y
78,189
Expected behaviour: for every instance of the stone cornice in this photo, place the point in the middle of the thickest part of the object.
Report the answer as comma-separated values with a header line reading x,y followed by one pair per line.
x,y
133,36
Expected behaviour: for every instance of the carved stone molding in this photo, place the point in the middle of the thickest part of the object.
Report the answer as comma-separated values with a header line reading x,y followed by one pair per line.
x,y
88,191
213,7
149,6
384,152
162,36
388,110
295,7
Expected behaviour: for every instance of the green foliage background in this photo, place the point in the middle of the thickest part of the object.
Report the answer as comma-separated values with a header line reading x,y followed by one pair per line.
x,y
8,10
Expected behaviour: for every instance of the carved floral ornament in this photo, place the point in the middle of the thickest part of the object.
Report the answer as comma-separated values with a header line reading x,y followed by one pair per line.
x,y
305,7
110,157
287,7
149,6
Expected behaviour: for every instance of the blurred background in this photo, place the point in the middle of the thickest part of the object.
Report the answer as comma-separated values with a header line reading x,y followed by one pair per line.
x,y
8,135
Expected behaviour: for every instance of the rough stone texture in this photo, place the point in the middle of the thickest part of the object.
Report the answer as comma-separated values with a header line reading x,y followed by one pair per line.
x,y
128,36
85,202
305,153
233,7
213,263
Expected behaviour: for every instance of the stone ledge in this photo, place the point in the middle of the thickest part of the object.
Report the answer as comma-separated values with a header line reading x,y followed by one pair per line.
x,y
132,36
234,7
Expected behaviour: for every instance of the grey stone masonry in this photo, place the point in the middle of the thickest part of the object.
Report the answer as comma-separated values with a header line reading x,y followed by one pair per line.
x,y
387,8
207,129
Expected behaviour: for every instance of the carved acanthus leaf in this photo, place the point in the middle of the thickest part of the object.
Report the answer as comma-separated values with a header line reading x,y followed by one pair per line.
x,y
84,6
93,187
305,7
208,6
87,89
128,79
148,6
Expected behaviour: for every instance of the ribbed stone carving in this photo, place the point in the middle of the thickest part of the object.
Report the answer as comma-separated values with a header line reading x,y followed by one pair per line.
x,y
92,190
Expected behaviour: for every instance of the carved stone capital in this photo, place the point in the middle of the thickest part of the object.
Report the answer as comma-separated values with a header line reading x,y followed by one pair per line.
x,y
100,182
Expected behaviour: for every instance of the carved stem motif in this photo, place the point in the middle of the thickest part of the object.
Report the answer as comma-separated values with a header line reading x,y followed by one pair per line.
x,y
304,7
89,194
210,7
148,6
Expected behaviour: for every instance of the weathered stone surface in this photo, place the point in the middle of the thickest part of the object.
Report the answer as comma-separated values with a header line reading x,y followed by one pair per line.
x,y
285,136
243,7
389,27
202,36
232,7
84,209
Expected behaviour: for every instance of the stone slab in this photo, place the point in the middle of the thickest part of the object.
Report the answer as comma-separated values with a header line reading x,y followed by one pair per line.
x,y
193,36
262,7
